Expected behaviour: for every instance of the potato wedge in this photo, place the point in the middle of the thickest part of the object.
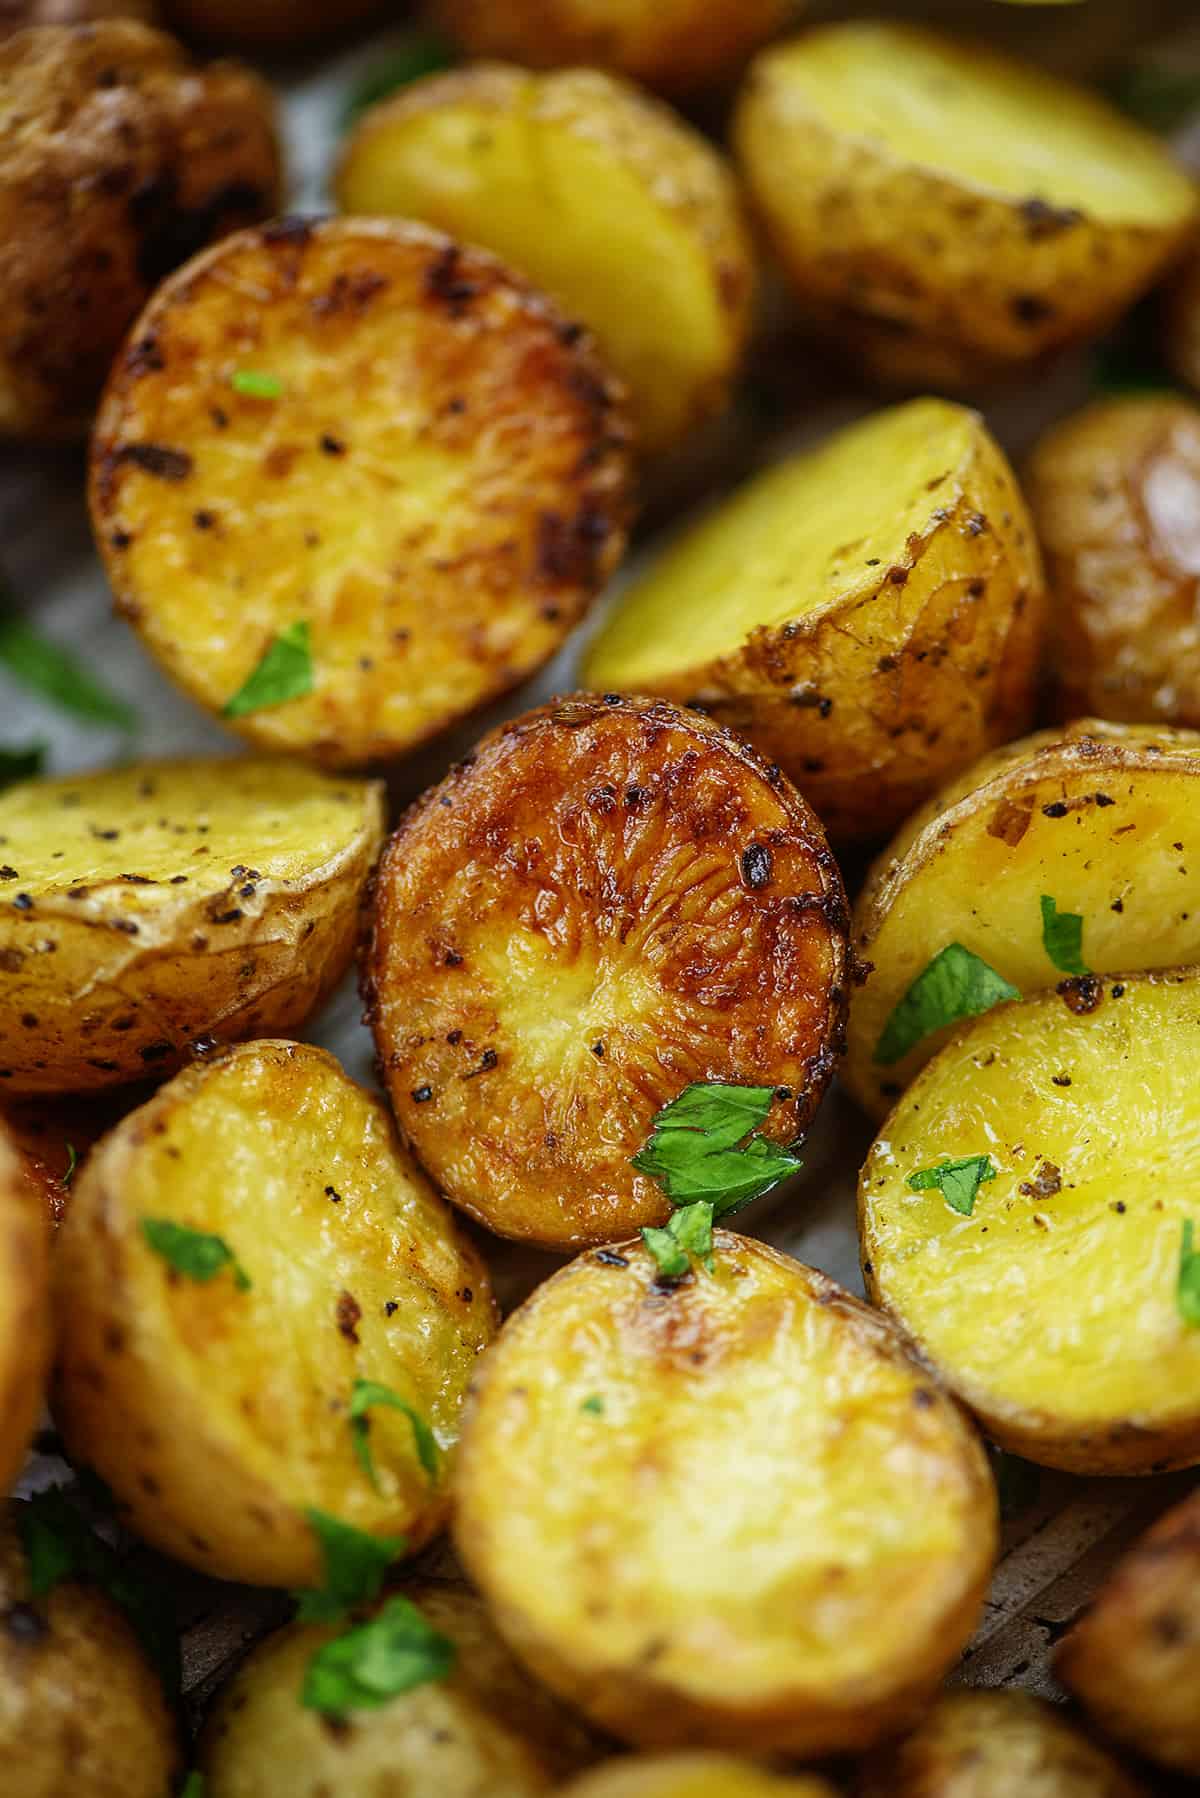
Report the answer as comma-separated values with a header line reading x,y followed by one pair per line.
x,y
81,1710
1028,239
152,905
611,899
1134,1658
485,1732
868,613
733,1513
281,26
1097,817
119,158
1181,336
601,196
692,1776
1047,1299
379,460
356,1273
24,1313
1115,496
992,1745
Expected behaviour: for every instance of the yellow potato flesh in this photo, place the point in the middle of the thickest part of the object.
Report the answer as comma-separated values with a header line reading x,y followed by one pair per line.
x,y
692,1776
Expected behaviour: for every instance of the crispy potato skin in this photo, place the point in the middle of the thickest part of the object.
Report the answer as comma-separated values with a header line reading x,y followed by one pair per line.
x,y
157,904
438,491
990,1745
278,25
692,1776
739,1409
24,1311
1134,1658
674,46
80,1708
609,900
118,159
1181,335
357,1272
16,15
485,1732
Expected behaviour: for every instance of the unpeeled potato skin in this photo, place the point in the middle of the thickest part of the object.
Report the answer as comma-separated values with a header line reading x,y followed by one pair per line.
x,y
693,1776
25,1335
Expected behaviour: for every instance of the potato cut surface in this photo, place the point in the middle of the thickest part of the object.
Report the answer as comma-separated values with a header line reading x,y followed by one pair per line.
x,y
25,1333
692,1776
356,431
836,1510
355,1273
1052,1308
610,900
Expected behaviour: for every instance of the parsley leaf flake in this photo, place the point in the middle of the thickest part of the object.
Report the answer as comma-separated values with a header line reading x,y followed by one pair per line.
x,y
194,1253
285,672
376,1661
354,1563
1062,937
958,1181
1187,1291
369,1392
955,984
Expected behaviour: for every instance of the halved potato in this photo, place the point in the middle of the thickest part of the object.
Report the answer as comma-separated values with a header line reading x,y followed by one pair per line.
x,y
611,899
485,1732
219,1412
692,1776
601,196
24,1312
868,613
1100,818
928,218
149,906
1134,1659
1051,1307
377,458
993,1745
734,1512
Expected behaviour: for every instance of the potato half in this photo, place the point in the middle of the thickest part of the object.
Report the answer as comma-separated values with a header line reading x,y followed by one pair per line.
x,y
119,158
24,1313
601,196
1098,817
485,1732
1051,1308
149,906
610,900
1134,1659
926,215
692,1776
356,1273
732,1513
1115,495
81,1710
355,434
992,1745
868,613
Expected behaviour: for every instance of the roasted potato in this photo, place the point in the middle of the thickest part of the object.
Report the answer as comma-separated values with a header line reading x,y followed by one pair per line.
x,y
1098,818
692,1776
1045,1291
269,25
485,1732
52,1137
15,15
339,1264
868,613
375,466
155,904
610,900
677,46
81,1710
930,218
24,1315
1134,1659
993,1745
601,196
119,157
1182,323
733,1512
1115,496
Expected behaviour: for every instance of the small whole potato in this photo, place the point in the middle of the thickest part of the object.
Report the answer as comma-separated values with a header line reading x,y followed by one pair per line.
x,y
24,1309
692,1776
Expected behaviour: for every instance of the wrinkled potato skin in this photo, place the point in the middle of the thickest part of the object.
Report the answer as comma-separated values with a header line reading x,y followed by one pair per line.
x,y
525,1048
16,15
992,1745
1134,1658
1115,495
486,1732
118,159
693,1776
278,25
80,1708
1181,336
24,1310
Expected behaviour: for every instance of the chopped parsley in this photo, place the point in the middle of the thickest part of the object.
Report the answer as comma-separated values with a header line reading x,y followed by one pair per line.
x,y
72,1164
193,1786
955,984
46,668
354,1566
255,384
369,1392
958,1181
422,54
687,1237
1187,1290
376,1661
1062,937
21,764
594,1405
285,672
194,1253
692,1154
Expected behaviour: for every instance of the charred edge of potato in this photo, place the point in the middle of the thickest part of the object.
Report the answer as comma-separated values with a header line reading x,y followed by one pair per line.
x,y
25,1334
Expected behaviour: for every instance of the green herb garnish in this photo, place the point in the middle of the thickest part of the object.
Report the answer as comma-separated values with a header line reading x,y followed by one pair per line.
x,y
423,55
72,1164
1159,96
376,1661
21,764
691,1154
193,1786
955,984
959,1181
255,384
1187,1290
194,1253
687,1237
354,1564
1062,937
285,672
369,1392
46,668
594,1405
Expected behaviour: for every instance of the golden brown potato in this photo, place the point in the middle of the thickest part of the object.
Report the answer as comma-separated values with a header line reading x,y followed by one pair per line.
x,y
268,25
1182,322
1023,1213
355,1273
53,1136
611,899
148,906
733,1512
868,613
1134,1659
676,46
15,15
81,1711
928,218
994,1745
485,1732
604,198
24,1313
119,157
692,1776
354,446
